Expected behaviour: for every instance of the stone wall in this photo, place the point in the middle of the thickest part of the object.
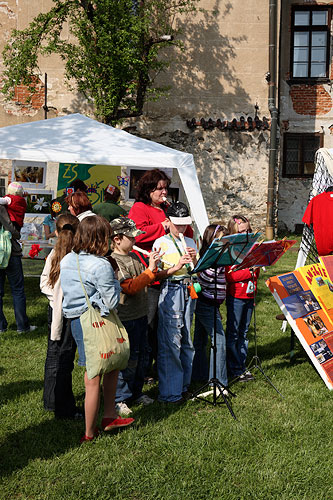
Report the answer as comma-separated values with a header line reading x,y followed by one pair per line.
x,y
231,166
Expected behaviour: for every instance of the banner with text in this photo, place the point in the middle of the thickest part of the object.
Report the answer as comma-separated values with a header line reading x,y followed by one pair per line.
x,y
97,177
305,297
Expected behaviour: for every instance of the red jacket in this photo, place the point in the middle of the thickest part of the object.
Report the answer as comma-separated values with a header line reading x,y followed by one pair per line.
x,y
17,208
237,282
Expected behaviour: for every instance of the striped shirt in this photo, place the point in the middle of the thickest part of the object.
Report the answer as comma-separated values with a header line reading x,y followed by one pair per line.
x,y
207,281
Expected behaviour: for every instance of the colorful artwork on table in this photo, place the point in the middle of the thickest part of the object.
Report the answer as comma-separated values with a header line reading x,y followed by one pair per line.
x,y
97,178
305,297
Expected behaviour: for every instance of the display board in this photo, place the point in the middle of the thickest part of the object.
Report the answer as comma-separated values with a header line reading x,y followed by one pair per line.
x,y
305,297
97,177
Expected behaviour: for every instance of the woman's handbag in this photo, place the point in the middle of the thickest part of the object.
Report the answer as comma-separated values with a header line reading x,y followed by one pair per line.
x,y
5,247
106,342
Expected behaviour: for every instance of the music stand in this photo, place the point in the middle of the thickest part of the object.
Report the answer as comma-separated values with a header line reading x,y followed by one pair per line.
x,y
262,255
224,251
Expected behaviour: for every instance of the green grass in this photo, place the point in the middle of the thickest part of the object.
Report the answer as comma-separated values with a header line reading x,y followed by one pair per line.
x,y
273,451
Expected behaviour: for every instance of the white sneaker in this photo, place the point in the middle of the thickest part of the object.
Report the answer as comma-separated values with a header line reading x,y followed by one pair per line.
x,y
225,392
123,409
144,400
31,328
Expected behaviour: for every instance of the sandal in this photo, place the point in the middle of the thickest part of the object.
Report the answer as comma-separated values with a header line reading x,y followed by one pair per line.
x,y
115,423
86,438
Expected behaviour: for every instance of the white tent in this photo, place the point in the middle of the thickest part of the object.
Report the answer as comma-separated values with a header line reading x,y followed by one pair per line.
x,y
78,139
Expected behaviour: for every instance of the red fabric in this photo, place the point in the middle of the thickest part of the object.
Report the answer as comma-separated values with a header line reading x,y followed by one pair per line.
x,y
237,282
148,219
17,208
319,213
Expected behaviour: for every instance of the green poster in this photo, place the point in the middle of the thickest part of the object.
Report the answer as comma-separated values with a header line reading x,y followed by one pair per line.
x,y
97,177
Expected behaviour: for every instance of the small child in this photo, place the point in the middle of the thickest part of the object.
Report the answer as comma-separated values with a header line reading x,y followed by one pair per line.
x,y
175,348
49,223
15,203
240,302
205,309
133,308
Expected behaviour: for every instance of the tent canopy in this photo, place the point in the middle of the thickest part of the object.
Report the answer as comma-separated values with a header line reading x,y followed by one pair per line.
x,y
78,139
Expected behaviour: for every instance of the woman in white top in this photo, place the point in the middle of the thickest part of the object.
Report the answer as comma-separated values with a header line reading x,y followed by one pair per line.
x,y
79,205
58,395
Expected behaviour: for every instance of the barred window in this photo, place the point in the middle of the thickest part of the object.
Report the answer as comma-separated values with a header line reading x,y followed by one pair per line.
x,y
299,154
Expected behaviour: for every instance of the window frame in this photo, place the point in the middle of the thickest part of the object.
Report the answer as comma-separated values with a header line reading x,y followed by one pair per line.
x,y
310,29
301,137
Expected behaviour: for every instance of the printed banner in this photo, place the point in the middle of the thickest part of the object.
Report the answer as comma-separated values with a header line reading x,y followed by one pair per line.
x,y
97,178
305,297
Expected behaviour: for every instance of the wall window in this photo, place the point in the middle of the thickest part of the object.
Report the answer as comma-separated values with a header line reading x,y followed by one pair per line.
x,y
299,154
310,38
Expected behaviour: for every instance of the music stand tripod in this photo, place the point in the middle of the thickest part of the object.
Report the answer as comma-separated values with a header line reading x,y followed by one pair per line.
x,y
214,382
255,362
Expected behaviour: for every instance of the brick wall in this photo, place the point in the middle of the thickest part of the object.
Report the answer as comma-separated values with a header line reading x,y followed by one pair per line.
x,y
311,100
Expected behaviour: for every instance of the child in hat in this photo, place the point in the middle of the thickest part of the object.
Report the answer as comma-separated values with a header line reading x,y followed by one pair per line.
x,y
15,203
133,307
175,307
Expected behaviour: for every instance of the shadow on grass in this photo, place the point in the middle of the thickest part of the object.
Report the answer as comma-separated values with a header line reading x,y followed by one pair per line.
x,y
42,441
15,389
53,438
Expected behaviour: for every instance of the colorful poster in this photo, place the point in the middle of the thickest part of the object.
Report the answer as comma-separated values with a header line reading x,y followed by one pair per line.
x,y
290,283
309,311
97,177
300,304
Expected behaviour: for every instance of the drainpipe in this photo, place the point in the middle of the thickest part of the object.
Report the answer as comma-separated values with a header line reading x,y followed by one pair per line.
x,y
271,78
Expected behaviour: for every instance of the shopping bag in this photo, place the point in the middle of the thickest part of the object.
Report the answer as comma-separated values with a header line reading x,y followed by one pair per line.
x,y
5,247
106,342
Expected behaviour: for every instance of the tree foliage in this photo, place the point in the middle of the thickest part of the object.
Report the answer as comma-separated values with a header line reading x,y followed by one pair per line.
x,y
112,54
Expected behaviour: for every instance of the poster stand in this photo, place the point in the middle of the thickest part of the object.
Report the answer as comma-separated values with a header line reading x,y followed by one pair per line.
x,y
224,251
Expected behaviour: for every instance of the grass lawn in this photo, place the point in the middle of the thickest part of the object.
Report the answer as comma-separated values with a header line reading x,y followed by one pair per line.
x,y
194,452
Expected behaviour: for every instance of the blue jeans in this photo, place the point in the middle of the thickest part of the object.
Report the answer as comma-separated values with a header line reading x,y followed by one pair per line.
x,y
131,380
239,313
78,337
204,326
14,273
175,348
